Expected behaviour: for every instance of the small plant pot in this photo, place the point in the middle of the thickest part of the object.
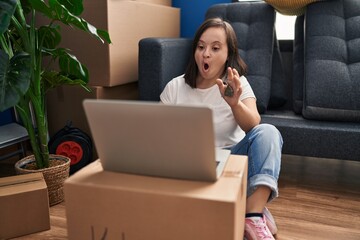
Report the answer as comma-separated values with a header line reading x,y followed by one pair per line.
x,y
54,176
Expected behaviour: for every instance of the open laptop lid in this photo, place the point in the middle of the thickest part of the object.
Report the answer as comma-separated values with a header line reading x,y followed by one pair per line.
x,y
154,139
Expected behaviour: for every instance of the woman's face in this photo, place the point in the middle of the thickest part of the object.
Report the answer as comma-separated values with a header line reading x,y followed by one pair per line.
x,y
211,53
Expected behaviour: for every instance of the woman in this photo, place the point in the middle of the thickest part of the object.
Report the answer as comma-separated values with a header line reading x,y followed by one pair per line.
x,y
215,76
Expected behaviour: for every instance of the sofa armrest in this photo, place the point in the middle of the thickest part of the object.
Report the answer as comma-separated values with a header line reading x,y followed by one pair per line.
x,y
160,60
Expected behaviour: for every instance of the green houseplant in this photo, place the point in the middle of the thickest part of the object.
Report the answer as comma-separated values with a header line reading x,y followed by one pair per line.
x,y
31,61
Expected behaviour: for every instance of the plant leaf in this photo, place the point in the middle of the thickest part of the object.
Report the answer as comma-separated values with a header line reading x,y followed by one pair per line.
x,y
50,35
74,6
53,79
15,75
7,10
40,5
104,35
69,65
57,11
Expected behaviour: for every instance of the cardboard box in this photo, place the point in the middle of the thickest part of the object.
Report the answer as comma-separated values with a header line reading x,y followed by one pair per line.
x,y
124,206
127,23
65,103
161,2
24,205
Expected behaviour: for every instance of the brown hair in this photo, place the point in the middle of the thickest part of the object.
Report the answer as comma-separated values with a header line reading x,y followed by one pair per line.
x,y
234,59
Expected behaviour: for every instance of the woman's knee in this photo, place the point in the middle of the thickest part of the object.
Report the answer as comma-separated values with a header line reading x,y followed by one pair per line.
x,y
268,131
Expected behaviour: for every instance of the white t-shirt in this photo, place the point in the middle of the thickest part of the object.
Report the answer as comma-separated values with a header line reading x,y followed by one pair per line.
x,y
227,131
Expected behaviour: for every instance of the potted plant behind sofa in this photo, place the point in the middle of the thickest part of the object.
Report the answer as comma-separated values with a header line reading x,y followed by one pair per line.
x,y
25,75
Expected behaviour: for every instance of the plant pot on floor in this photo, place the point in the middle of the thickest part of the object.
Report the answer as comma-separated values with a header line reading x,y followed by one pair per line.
x,y
54,176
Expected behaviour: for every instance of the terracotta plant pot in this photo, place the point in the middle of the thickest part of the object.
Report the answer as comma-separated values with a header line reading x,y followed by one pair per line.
x,y
54,176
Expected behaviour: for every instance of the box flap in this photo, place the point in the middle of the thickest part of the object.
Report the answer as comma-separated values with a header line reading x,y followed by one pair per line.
x,y
20,179
93,176
234,169
21,183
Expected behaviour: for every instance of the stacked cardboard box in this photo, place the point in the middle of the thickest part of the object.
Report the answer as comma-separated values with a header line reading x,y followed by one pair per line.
x,y
114,205
113,68
127,23
65,103
161,2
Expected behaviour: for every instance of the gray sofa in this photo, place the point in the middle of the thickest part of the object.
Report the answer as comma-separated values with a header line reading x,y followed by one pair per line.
x,y
317,107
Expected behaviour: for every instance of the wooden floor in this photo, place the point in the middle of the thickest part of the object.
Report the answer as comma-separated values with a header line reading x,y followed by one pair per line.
x,y
319,199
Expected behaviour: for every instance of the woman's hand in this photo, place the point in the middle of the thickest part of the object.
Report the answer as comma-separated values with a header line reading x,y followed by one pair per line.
x,y
245,111
231,95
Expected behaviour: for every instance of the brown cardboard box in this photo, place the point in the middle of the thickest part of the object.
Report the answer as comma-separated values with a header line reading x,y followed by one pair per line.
x,y
24,205
65,103
127,23
161,2
124,206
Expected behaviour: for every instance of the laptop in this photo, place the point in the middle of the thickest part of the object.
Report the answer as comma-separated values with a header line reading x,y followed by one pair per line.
x,y
154,139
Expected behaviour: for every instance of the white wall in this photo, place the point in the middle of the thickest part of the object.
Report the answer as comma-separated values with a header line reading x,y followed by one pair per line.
x,y
285,26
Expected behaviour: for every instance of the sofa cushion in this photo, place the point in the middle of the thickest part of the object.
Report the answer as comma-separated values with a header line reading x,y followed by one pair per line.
x,y
332,61
324,139
157,64
290,7
253,23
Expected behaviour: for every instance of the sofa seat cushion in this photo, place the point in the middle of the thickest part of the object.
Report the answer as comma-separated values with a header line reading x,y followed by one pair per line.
x,y
313,138
332,61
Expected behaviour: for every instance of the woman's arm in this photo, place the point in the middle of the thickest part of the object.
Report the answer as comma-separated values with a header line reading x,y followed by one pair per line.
x,y
246,114
245,111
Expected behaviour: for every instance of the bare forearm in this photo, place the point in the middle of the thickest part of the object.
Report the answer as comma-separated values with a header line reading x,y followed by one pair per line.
x,y
247,117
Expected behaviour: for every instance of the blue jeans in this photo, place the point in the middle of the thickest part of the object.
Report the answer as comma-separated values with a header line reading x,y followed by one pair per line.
x,y
263,146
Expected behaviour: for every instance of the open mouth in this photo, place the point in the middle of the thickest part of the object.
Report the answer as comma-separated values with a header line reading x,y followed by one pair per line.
x,y
206,66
